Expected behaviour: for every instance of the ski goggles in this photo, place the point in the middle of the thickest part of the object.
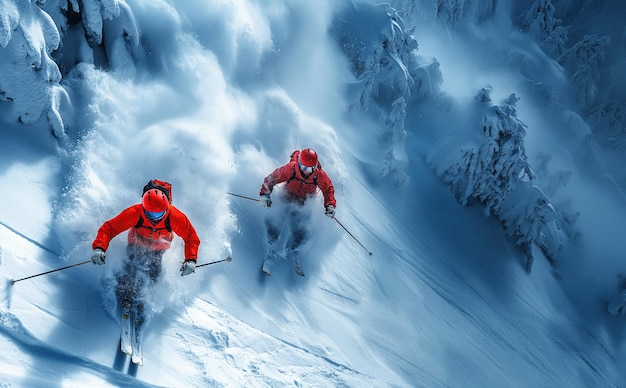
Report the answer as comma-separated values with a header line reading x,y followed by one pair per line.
x,y
306,169
155,215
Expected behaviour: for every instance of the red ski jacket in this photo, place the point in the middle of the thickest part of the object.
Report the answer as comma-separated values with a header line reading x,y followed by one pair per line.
x,y
154,236
299,186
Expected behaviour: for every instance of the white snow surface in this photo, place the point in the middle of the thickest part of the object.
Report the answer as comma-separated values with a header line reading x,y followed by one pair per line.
x,y
212,96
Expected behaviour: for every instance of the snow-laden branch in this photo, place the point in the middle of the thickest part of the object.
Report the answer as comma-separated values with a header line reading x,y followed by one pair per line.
x,y
38,39
30,79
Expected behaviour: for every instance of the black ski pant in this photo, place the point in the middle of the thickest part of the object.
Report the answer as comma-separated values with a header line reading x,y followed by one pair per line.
x,y
294,221
142,269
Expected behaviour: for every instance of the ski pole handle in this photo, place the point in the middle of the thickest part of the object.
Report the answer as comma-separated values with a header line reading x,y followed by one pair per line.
x,y
54,270
244,197
215,262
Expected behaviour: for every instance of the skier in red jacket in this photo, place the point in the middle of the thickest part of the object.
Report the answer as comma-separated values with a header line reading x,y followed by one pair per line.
x,y
302,176
151,226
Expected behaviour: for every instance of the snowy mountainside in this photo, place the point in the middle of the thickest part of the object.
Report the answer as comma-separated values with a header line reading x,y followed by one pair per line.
x,y
329,330
212,96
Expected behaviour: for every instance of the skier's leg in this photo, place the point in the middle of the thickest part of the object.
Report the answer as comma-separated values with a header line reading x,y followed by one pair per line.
x,y
298,236
296,240
124,294
148,271
298,229
126,290
155,267
273,233
140,317
143,266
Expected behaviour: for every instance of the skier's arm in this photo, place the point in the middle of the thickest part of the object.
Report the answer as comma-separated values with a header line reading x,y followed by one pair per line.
x,y
182,227
279,175
327,188
111,228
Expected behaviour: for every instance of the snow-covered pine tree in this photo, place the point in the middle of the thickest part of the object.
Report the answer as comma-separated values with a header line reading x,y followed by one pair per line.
x,y
455,11
583,61
608,120
541,22
389,75
490,171
495,174
396,155
593,65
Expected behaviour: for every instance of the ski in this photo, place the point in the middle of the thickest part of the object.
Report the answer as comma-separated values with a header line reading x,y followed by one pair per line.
x,y
130,337
297,267
267,263
137,356
125,340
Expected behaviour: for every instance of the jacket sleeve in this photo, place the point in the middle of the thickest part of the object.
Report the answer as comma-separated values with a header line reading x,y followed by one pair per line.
x,y
111,228
280,175
184,229
327,188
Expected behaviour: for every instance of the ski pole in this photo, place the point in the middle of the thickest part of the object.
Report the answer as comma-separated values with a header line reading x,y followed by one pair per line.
x,y
351,235
215,262
54,270
244,197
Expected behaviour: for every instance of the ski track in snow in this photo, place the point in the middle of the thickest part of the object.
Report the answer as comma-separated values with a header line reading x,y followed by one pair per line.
x,y
31,240
342,298
445,287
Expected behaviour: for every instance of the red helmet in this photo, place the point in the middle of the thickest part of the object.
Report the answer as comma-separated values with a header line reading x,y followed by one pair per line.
x,y
154,200
308,157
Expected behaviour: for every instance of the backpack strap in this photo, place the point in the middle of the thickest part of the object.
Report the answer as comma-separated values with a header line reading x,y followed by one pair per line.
x,y
293,176
168,226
